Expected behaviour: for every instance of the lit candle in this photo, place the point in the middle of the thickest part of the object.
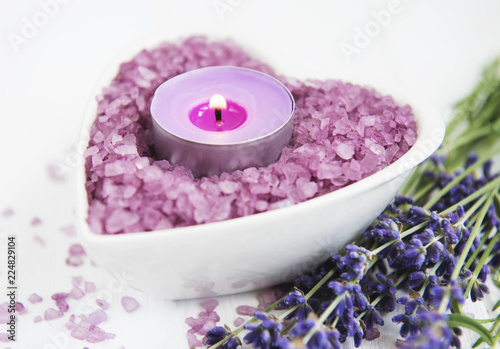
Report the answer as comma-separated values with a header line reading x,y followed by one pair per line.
x,y
220,119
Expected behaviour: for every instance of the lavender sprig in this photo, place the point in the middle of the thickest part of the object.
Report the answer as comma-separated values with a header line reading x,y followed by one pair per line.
x,y
428,253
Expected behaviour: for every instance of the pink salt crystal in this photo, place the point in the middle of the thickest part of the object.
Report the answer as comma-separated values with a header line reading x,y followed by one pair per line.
x,y
328,170
71,322
4,313
97,317
76,250
36,221
126,149
129,304
239,284
39,240
51,314
245,310
55,172
268,297
69,230
261,205
91,151
210,304
4,337
368,120
34,298
76,293
102,303
74,261
37,318
8,212
306,189
60,299
76,281
98,137
20,308
193,342
89,287
119,219
239,321
345,151
228,187
89,332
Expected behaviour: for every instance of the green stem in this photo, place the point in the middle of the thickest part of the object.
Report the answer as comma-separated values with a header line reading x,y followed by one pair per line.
x,y
489,154
465,252
473,256
479,266
322,318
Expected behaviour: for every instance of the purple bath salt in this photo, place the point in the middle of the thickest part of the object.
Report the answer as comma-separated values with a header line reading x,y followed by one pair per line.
x,y
342,134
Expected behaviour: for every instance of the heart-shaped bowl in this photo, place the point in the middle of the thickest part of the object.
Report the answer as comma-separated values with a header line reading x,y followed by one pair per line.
x,y
259,250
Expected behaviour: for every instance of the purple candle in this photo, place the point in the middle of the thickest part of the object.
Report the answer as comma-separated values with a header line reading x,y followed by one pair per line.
x,y
221,119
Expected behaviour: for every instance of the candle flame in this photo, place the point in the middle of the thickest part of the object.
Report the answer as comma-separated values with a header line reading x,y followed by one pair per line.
x,y
217,102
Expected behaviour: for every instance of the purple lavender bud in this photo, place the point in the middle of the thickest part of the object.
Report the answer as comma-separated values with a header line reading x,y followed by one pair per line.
x,y
336,287
232,343
301,328
216,334
402,300
487,169
293,298
471,160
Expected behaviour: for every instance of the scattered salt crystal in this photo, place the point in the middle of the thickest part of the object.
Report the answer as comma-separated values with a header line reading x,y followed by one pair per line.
x,y
89,287
76,250
239,321
20,308
55,172
76,281
245,310
51,314
37,318
129,304
193,342
97,317
74,261
102,303
34,298
4,337
8,212
69,230
76,293
38,239
60,299
210,304
36,221
71,324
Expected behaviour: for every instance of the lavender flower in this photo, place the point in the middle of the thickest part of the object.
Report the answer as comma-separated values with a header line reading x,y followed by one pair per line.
x,y
217,334
266,335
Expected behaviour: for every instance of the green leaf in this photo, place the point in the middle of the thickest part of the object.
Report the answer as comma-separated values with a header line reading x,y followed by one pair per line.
x,y
496,201
457,320
496,282
496,306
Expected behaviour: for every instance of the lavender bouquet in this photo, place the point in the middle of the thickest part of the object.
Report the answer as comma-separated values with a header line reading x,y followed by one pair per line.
x,y
433,247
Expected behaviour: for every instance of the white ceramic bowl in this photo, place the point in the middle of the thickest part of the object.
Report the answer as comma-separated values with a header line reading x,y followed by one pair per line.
x,y
260,250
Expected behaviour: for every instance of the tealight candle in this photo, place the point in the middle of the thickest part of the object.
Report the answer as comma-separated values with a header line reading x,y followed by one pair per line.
x,y
221,119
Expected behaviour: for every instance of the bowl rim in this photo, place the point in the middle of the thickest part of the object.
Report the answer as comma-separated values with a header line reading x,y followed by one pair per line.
x,y
430,134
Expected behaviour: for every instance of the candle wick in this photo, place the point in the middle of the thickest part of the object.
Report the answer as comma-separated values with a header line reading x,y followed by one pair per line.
x,y
218,115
